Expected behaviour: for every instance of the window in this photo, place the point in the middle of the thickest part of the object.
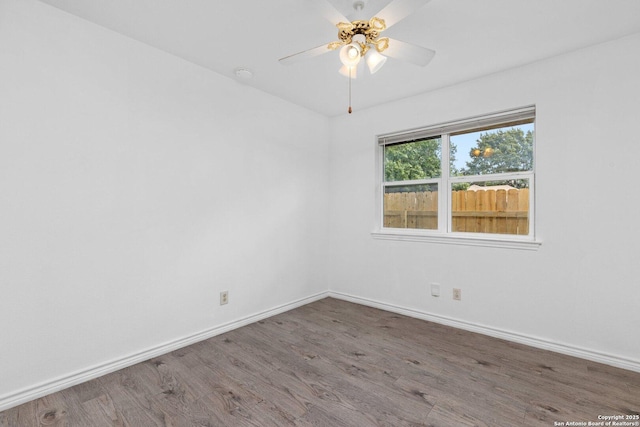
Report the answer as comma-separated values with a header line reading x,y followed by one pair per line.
x,y
468,181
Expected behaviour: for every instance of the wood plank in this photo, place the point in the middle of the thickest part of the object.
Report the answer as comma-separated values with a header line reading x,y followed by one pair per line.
x,y
501,206
523,206
512,205
333,363
479,214
470,221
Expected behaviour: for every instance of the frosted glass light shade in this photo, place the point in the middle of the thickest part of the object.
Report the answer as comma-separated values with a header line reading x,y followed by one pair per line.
x,y
375,61
350,55
344,70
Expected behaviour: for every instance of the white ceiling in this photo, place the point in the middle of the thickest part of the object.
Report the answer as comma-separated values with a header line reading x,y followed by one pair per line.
x,y
471,38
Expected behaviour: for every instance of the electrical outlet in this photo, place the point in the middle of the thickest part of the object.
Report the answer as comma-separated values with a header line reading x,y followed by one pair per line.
x,y
457,294
224,297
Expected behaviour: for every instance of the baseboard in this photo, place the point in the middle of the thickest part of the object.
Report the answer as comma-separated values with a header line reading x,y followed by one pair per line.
x,y
608,359
34,392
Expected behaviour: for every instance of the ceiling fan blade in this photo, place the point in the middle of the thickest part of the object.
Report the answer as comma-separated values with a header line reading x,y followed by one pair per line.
x,y
326,10
305,54
397,10
409,52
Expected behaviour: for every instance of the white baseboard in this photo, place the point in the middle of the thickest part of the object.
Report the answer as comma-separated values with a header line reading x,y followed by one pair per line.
x,y
608,359
34,392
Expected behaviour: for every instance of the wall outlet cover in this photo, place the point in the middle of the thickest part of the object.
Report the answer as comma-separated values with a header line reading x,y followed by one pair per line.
x,y
224,297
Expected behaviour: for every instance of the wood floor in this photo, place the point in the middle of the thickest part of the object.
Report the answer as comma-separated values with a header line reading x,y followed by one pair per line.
x,y
333,363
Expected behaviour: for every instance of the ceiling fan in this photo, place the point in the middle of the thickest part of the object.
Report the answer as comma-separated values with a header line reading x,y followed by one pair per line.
x,y
360,39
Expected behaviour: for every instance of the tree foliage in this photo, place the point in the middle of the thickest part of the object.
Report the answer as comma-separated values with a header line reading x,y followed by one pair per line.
x,y
498,151
413,160
502,151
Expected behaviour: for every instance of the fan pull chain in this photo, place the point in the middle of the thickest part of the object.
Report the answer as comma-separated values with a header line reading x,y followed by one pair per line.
x,y
350,110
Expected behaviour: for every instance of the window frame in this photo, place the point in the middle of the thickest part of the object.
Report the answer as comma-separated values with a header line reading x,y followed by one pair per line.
x,y
444,233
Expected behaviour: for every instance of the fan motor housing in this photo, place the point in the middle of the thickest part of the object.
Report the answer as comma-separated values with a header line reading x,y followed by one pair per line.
x,y
369,29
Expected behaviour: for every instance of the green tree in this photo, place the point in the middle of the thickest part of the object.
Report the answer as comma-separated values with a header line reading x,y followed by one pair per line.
x,y
502,151
413,160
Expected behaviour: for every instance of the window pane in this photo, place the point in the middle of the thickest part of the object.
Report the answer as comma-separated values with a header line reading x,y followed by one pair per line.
x,y
497,207
411,206
413,160
487,151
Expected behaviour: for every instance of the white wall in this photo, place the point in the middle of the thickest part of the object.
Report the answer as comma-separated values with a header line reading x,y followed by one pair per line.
x,y
134,187
581,289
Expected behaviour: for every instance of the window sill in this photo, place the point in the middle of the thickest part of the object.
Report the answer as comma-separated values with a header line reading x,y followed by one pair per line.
x,y
492,242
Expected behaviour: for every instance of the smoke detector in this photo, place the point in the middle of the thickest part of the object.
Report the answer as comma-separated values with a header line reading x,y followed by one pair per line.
x,y
243,74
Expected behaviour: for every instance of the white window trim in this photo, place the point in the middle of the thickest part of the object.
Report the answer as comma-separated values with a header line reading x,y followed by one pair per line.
x,y
443,234
457,239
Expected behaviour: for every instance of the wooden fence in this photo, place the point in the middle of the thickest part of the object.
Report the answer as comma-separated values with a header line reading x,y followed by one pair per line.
x,y
483,211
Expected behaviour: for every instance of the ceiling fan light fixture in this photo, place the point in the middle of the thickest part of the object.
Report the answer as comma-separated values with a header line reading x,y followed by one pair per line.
x,y
382,44
344,70
377,24
350,55
375,61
